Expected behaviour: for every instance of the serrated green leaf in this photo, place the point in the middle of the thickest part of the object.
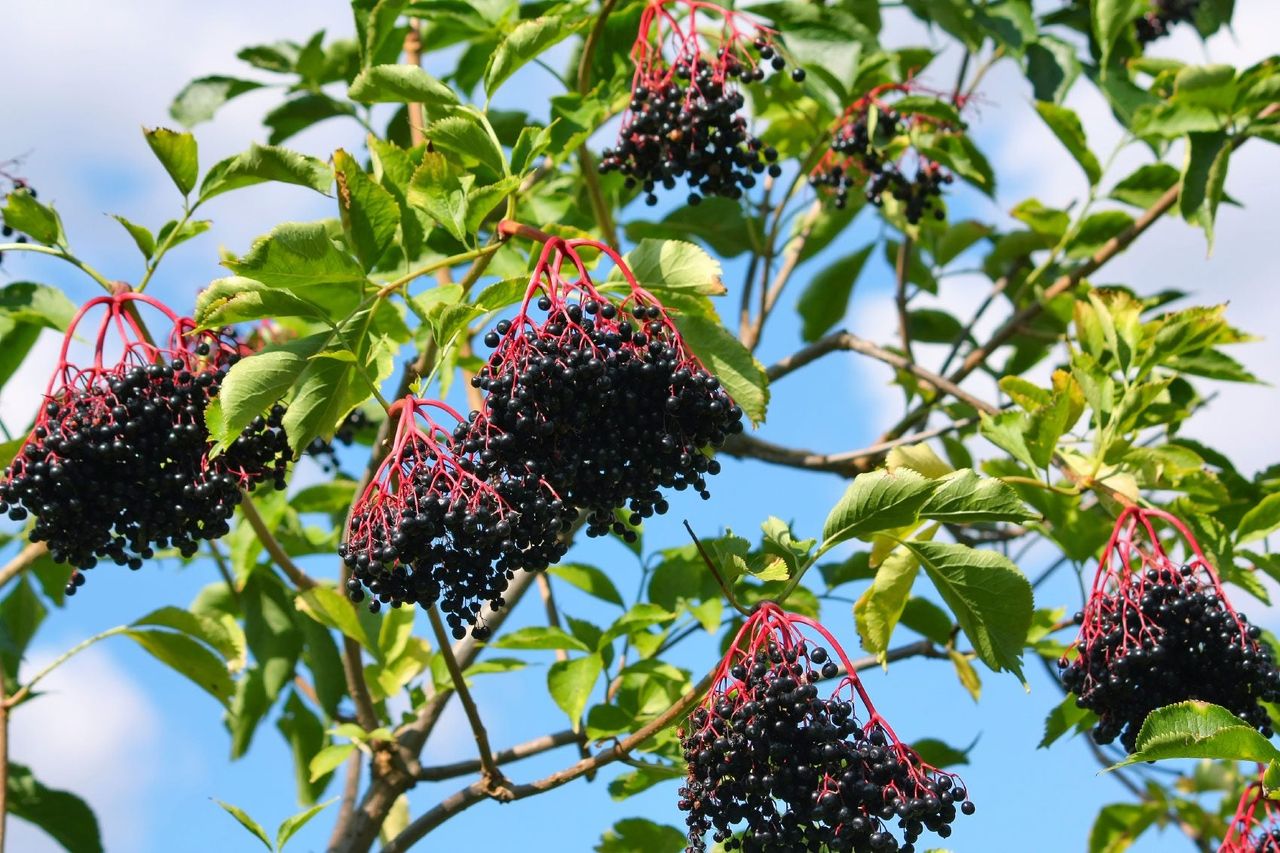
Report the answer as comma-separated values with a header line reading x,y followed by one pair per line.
x,y
247,822
1066,716
331,608
400,84
214,633
1066,125
1260,521
465,136
965,498
879,608
297,254
989,596
201,98
297,114
40,222
1199,730
876,501
441,194
142,237
39,305
181,653
235,299
262,163
826,298
177,153
659,265
328,759
529,39
1203,177
589,579
539,637
639,835
570,683
1118,825
1145,185
66,818
256,383
369,213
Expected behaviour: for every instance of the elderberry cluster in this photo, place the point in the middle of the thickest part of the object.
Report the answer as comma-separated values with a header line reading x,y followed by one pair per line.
x,y
689,125
455,532
860,161
7,231
801,772
325,453
606,406
116,470
1171,639
1164,14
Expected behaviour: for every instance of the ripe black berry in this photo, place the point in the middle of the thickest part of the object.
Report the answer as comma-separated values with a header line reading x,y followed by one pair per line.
x,y
325,453
1155,633
803,772
118,464
440,522
1164,14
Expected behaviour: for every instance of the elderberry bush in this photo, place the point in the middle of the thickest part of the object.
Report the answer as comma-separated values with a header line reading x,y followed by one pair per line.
x,y
774,765
325,453
118,464
684,121
1161,634
440,525
606,404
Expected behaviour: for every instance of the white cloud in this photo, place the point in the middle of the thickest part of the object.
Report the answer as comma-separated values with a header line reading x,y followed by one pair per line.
x,y
95,733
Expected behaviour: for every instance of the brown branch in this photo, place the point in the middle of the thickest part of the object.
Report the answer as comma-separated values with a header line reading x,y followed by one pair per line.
x,y
528,749
847,464
413,56
901,271
474,793
4,759
492,775
549,604
350,787
300,579
22,561
790,260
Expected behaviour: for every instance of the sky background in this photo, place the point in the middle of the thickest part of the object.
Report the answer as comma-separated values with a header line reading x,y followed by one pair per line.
x,y
147,749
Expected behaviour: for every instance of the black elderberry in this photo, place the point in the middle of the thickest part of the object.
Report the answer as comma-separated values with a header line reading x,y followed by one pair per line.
x,y
1159,633
326,453
1164,15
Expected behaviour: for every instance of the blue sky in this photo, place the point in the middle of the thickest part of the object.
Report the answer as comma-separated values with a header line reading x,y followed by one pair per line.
x,y
147,748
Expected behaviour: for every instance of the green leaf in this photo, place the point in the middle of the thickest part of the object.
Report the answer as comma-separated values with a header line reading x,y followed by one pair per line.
x,y
201,98
1096,230
590,580
1066,716
297,254
528,40
570,683
467,136
875,501
725,356
1112,20
247,822
481,201
878,610
141,235
826,298
659,265
210,631
1065,125
1052,68
1050,222
262,163
36,304
400,84
539,637
927,105
1118,825
1203,176
326,392
1145,185
305,735
177,153
1199,730
927,619
369,213
1212,86
780,542
181,233
66,818
188,657
329,759
939,753
638,835
235,299
990,597
438,191
289,827
965,498
1262,519
959,153
256,383
297,114
21,613
40,222
281,57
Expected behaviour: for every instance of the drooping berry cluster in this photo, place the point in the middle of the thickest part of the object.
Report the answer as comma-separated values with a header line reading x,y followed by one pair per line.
x,y
866,154
440,522
803,770
1155,632
684,120
1255,827
602,398
325,453
118,464
1164,15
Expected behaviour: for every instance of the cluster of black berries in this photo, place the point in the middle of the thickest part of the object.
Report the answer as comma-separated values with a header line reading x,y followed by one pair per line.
x,y
1159,22
684,119
857,159
1255,826
118,464
325,453
800,771
441,523
1161,635
605,404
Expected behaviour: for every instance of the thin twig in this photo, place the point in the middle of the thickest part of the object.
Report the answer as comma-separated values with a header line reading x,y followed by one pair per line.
x,y
22,561
715,572
901,271
492,775
273,547
4,760
586,162
413,56
528,749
